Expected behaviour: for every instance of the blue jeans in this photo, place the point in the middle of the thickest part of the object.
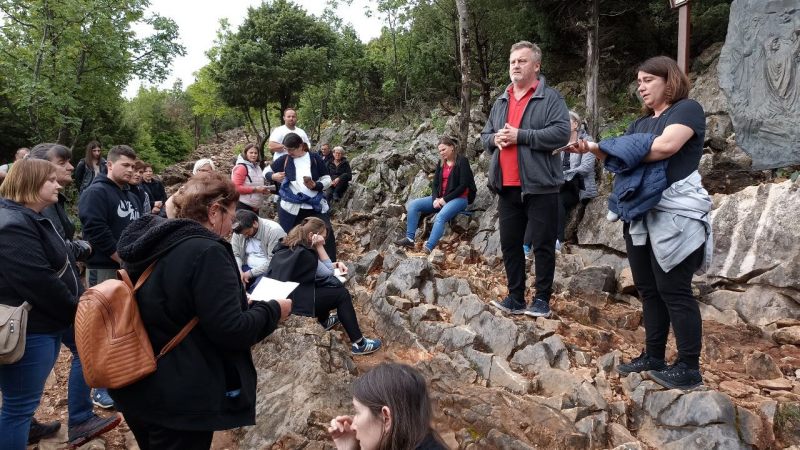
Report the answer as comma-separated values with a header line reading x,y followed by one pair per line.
x,y
22,385
79,402
93,278
424,205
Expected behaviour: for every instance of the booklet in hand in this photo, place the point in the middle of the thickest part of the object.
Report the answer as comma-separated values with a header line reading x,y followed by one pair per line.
x,y
269,289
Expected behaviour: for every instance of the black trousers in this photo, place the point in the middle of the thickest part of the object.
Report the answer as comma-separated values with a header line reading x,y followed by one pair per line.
x,y
569,196
667,299
338,298
540,213
155,437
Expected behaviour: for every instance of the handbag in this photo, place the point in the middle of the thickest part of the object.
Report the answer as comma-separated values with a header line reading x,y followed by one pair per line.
x,y
13,324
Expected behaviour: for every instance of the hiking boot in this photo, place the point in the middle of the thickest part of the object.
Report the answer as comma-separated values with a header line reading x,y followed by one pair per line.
x,y
91,428
641,363
39,431
677,376
404,242
330,322
101,398
539,308
365,347
509,306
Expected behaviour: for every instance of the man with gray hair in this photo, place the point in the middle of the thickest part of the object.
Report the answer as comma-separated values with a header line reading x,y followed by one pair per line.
x,y
527,122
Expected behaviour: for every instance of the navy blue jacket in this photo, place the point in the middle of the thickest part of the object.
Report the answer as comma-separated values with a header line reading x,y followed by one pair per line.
x,y
637,185
105,210
32,255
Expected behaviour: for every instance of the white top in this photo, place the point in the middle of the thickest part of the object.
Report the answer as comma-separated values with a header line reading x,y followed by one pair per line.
x,y
280,132
255,256
302,167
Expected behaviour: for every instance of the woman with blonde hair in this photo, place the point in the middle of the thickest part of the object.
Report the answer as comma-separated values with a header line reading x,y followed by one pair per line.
x,y
301,257
35,267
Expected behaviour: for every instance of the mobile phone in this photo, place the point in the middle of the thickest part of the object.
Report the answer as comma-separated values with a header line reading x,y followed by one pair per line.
x,y
561,149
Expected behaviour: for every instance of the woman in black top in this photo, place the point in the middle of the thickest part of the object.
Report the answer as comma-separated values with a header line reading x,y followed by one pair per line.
x,y
208,381
88,167
392,411
35,267
341,174
452,189
667,299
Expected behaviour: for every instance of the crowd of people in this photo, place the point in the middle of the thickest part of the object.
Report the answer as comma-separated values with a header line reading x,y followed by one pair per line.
x,y
206,247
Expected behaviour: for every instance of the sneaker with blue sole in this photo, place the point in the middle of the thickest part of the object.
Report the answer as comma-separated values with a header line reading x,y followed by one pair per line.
x,y
366,346
539,308
509,306
101,398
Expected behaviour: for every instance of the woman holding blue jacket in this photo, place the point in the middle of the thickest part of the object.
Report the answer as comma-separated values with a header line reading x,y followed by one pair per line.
x,y
659,195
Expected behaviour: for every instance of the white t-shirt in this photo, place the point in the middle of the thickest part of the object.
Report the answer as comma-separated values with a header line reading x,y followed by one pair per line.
x,y
302,167
280,132
255,255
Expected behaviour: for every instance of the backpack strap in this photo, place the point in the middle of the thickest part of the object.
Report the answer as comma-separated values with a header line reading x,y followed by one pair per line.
x,y
178,338
186,328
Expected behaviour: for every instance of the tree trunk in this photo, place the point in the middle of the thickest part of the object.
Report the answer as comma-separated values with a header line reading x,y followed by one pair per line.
x,y
593,70
482,56
463,31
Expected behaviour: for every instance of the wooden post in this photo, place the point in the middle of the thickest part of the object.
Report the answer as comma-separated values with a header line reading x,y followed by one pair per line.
x,y
683,37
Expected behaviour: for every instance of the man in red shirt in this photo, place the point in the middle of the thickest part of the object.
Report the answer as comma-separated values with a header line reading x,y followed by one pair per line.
x,y
527,122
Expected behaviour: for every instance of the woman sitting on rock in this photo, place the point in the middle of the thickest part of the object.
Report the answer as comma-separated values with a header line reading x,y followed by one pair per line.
x,y
392,411
301,258
452,189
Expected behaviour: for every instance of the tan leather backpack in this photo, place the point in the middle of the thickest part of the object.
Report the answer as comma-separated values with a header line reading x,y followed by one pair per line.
x,y
112,342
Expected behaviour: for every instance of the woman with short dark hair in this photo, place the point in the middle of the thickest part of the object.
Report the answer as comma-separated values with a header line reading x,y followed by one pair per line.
x,y
667,227
35,267
208,381
392,411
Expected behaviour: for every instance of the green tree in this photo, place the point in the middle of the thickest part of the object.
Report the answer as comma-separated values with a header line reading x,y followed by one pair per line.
x,y
67,62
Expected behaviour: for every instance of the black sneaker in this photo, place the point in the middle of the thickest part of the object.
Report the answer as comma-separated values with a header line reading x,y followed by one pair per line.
x,y
330,322
677,376
640,364
539,308
39,431
404,242
509,306
91,428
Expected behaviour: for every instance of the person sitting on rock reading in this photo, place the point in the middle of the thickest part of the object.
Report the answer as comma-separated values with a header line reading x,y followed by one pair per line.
x,y
392,411
301,257
253,241
452,189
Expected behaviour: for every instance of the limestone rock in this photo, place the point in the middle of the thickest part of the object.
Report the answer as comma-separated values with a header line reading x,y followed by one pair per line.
x,y
788,335
761,366
408,275
297,365
777,384
596,230
593,280
619,435
625,284
757,305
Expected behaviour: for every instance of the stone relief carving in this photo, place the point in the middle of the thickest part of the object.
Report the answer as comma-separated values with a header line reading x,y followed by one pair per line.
x,y
759,70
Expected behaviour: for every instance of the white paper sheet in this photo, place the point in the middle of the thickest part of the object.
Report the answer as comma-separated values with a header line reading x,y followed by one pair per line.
x,y
268,289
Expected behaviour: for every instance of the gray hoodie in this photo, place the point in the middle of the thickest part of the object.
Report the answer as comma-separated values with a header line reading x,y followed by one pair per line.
x,y
544,127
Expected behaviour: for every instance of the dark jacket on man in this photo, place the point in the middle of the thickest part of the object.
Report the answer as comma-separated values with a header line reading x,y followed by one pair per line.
x,y
195,385
544,127
298,264
105,210
460,179
36,266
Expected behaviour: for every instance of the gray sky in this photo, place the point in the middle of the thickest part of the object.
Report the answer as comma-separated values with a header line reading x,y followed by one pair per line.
x,y
198,21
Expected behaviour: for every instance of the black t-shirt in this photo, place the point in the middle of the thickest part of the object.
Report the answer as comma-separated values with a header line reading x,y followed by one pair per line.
x,y
685,112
